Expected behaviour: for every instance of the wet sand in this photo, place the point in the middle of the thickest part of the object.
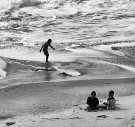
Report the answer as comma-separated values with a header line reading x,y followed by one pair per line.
x,y
84,43
27,95
63,103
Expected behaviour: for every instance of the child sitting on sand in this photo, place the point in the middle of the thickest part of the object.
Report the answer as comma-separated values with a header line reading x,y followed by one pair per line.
x,y
111,102
93,101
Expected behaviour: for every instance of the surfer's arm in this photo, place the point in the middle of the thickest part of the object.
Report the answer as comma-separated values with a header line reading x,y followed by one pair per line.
x,y
52,47
41,48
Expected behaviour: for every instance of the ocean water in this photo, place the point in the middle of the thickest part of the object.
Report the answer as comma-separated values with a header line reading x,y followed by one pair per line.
x,y
93,38
80,29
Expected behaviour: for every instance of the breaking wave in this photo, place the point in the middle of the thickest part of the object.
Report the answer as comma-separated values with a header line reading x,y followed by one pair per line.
x,y
2,67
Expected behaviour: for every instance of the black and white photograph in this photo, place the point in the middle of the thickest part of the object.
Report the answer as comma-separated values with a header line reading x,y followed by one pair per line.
x,y
67,63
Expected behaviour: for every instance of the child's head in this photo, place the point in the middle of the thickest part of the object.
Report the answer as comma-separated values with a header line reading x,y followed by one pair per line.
x,y
49,41
93,93
111,94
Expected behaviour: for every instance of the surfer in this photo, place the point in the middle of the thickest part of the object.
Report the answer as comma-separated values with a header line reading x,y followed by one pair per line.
x,y
45,48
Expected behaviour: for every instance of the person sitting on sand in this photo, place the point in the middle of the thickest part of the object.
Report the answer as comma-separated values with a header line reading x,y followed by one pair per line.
x,y
93,101
111,102
45,48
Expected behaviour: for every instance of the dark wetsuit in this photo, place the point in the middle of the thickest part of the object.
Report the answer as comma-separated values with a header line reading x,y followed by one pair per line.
x,y
45,49
93,102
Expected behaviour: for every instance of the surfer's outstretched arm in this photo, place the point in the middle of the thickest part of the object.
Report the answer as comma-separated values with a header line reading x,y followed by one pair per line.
x,y
52,47
41,48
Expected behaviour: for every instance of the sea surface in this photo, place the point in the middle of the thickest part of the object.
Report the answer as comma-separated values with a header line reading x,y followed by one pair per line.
x,y
81,30
94,39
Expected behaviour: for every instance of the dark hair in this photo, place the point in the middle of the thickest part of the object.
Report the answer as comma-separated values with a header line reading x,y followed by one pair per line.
x,y
93,93
111,92
49,41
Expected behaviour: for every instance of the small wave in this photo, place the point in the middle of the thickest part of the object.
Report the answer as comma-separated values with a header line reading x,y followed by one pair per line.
x,y
119,48
126,67
69,72
87,52
121,43
2,67
114,46
84,5
2,74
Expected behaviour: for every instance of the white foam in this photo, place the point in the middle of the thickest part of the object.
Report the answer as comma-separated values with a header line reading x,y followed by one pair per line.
x,y
2,66
132,69
86,52
70,6
108,48
6,4
35,55
129,68
68,72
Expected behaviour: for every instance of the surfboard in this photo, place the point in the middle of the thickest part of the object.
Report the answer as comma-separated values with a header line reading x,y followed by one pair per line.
x,y
43,69
61,71
68,72
50,67
47,67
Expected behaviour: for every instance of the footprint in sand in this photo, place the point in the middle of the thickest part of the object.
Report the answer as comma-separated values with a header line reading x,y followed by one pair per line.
x,y
10,123
133,118
102,116
118,118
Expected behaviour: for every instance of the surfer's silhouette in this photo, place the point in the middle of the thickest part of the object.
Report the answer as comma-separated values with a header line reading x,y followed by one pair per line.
x,y
45,48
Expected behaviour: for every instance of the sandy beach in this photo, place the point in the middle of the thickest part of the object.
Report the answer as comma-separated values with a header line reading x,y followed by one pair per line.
x,y
30,98
94,42
27,105
57,98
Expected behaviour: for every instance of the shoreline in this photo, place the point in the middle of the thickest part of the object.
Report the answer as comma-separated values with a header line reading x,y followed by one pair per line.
x,y
75,90
30,100
29,104
95,51
89,70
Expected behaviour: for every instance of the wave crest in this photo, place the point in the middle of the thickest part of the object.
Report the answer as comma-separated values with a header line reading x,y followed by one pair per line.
x,y
54,4
2,67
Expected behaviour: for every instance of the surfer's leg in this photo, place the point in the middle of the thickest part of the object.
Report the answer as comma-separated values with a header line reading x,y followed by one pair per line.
x,y
47,56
